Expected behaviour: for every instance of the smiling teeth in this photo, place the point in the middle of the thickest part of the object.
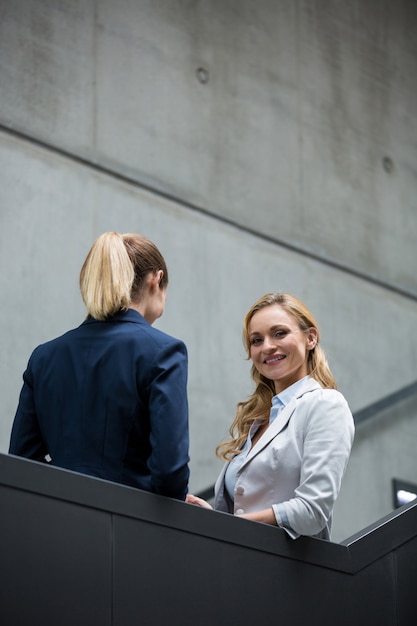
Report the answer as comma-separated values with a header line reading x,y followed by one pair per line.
x,y
276,358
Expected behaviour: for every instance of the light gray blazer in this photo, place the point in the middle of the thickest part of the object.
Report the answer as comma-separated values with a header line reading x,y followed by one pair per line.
x,y
297,465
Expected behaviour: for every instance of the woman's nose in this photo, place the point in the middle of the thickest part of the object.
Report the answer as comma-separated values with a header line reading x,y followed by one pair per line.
x,y
268,343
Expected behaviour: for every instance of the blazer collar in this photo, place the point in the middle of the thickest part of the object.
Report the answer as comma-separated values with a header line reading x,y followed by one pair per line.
x,y
282,419
121,316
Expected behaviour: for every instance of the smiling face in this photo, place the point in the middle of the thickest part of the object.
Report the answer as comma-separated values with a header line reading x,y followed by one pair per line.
x,y
278,347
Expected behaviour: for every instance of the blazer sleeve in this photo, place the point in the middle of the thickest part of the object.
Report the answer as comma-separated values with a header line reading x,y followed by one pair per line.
x,y
328,432
168,409
26,437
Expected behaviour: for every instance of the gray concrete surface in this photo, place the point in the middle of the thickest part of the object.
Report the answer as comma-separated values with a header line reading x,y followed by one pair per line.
x,y
264,146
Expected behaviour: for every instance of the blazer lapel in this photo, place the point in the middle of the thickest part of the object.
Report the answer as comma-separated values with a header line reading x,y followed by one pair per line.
x,y
281,420
272,431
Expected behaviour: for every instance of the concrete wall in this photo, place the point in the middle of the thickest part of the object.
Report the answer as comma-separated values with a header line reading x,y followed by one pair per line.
x,y
263,146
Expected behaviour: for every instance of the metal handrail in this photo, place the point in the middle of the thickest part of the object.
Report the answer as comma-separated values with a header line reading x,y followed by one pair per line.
x,y
380,405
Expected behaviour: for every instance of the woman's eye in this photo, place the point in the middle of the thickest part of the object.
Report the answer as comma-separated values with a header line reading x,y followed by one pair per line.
x,y
280,333
255,341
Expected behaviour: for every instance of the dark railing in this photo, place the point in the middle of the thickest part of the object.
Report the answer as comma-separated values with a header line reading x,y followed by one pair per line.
x,y
384,403
80,550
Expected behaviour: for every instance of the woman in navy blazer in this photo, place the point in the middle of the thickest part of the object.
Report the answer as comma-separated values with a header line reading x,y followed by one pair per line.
x,y
291,440
109,398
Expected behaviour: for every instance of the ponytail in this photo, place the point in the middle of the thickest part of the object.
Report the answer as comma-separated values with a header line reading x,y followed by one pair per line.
x,y
107,277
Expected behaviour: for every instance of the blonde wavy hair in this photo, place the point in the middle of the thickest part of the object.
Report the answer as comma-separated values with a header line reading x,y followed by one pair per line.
x,y
258,405
113,273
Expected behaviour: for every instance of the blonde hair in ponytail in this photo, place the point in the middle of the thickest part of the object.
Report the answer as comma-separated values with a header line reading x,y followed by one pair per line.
x,y
258,404
115,270
106,277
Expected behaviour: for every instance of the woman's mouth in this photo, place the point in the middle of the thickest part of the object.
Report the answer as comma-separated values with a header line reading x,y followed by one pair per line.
x,y
274,359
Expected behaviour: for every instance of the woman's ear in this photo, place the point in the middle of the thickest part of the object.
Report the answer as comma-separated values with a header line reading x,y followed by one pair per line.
x,y
155,279
312,338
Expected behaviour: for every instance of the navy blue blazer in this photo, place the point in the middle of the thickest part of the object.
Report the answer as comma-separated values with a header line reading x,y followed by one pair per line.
x,y
109,399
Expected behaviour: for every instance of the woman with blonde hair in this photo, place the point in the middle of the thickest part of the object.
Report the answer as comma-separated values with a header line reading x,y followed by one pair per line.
x,y
109,398
291,439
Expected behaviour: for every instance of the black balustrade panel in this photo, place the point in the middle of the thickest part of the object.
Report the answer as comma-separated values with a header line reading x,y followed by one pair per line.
x,y
80,551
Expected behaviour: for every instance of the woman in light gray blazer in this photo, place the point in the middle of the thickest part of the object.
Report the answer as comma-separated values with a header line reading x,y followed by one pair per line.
x,y
290,441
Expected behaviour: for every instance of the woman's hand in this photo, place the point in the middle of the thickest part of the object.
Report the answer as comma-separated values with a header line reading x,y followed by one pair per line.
x,y
198,501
